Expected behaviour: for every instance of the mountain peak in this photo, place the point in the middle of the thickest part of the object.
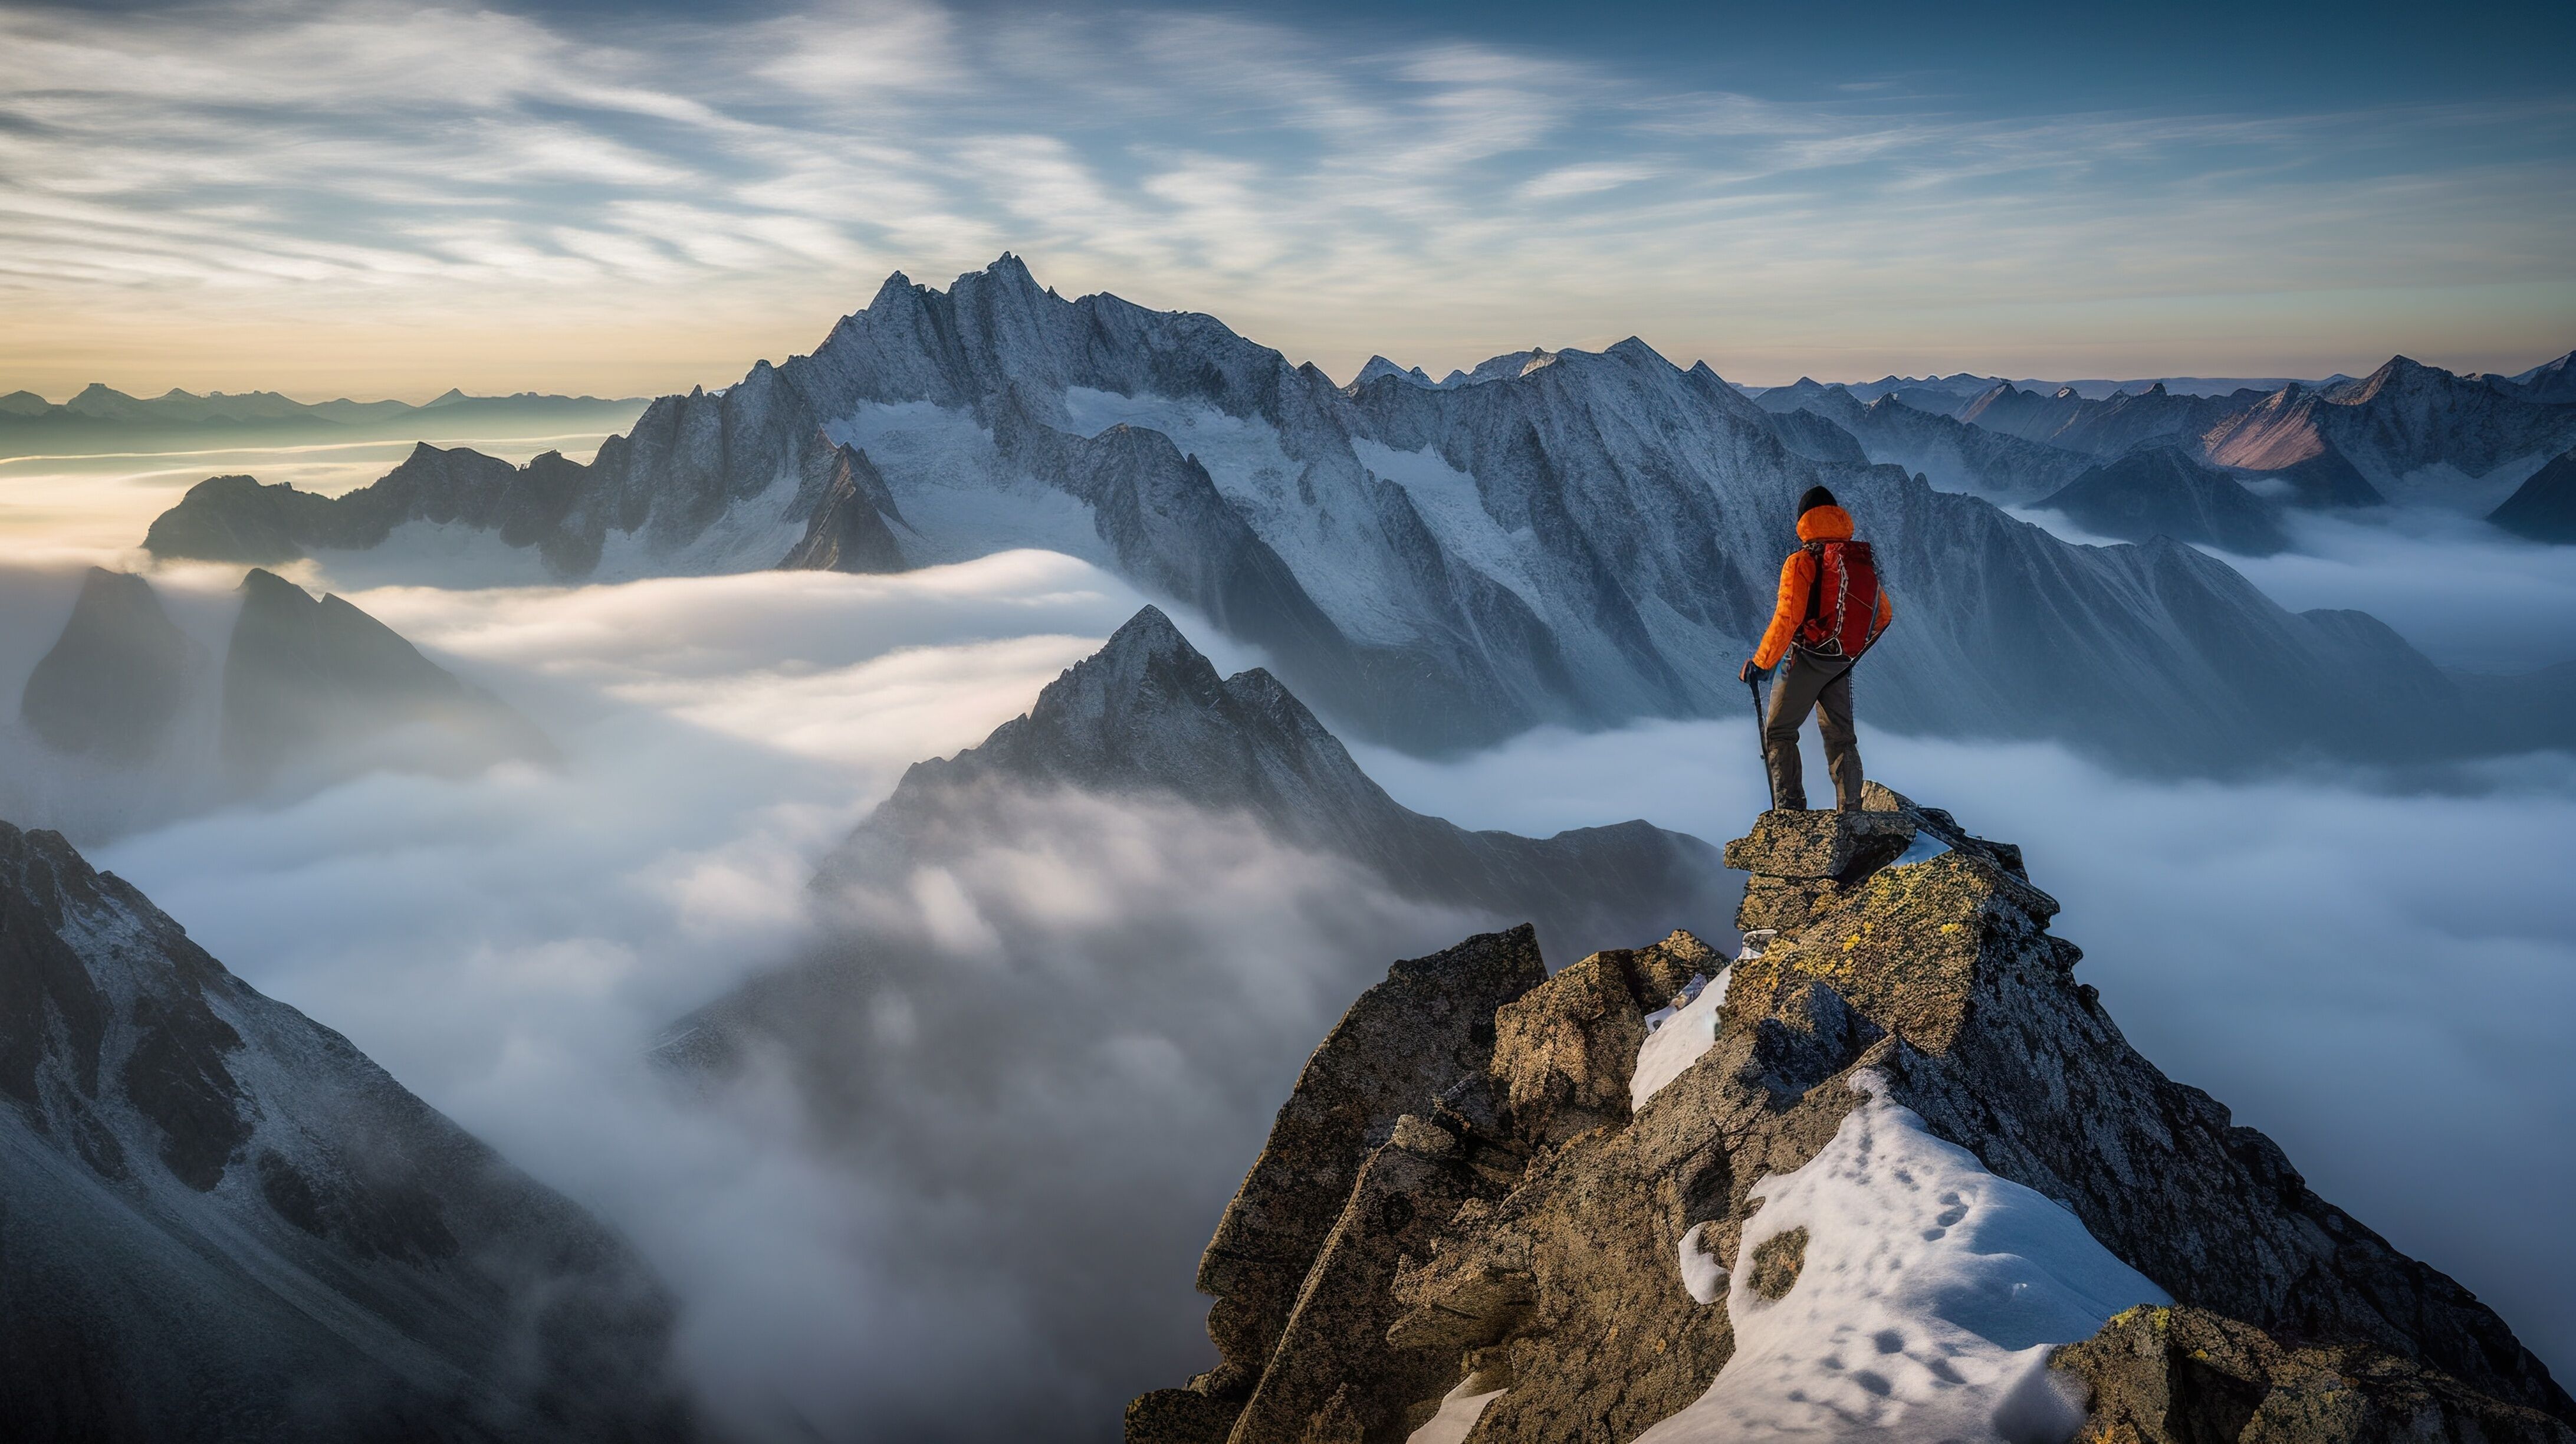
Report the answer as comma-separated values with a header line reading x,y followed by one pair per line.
x,y
1012,274
1149,633
1380,366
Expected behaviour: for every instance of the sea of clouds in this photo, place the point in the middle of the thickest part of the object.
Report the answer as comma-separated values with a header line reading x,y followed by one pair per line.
x,y
1065,1049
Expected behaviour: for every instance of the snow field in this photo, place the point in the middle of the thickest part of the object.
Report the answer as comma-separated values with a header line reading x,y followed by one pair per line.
x,y
1928,1299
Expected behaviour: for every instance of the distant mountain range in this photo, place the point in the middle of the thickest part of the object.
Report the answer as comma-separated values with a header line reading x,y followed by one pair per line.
x,y
101,418
1555,537
224,1223
2407,432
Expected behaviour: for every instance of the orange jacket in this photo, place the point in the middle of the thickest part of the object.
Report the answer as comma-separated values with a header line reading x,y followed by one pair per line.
x,y
1798,576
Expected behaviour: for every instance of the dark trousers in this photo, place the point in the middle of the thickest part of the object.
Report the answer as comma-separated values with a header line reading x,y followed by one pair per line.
x,y
1824,685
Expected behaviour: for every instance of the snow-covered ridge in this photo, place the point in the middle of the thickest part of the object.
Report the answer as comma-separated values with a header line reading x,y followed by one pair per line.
x,y
1559,537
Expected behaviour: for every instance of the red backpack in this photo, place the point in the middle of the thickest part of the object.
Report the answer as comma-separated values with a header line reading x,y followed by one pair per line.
x,y
1842,605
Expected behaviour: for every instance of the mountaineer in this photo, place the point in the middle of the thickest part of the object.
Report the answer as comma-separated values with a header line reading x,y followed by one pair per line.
x,y
1831,608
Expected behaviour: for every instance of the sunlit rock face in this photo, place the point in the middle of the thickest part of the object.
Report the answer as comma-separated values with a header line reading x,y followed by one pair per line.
x,y
1912,1162
224,1223
1563,537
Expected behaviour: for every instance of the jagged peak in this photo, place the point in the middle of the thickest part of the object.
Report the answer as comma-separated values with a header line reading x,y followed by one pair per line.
x,y
1148,634
261,582
1380,366
1007,271
896,286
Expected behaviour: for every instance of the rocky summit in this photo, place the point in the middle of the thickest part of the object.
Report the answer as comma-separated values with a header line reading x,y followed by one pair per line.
x,y
1891,1172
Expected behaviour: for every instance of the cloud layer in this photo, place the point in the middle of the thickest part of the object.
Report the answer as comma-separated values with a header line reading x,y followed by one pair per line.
x,y
337,194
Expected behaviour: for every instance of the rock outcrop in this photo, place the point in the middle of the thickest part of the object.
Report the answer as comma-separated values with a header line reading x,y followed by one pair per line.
x,y
1594,1261
2185,1375
220,1222
852,527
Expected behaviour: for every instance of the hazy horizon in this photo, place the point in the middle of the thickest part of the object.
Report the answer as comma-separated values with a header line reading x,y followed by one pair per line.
x,y
341,197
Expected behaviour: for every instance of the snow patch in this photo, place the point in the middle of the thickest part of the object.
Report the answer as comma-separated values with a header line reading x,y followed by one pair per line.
x,y
1703,1277
958,499
1453,506
1677,1036
1459,1411
1308,514
1930,1295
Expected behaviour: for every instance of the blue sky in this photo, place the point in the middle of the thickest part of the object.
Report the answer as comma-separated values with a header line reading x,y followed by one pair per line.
x,y
375,198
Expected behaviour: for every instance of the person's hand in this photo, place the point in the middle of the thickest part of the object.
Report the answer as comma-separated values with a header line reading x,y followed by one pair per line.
x,y
1752,673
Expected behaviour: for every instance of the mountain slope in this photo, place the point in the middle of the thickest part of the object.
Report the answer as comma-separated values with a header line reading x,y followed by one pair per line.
x,y
2543,507
1821,1192
1566,537
224,1223
2162,491
321,689
1148,714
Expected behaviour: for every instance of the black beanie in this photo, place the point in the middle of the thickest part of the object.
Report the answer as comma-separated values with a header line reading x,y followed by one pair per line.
x,y
1816,496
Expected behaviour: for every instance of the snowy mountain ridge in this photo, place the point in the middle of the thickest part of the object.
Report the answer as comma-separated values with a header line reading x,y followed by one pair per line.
x,y
1582,542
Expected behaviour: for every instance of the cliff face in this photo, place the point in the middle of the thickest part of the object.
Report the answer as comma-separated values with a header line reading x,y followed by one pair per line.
x,y
1866,1180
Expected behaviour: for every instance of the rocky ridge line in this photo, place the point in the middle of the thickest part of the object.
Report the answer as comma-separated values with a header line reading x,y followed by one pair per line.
x,y
1514,1227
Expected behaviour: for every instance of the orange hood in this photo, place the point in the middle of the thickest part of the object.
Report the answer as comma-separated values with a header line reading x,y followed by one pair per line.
x,y
1825,523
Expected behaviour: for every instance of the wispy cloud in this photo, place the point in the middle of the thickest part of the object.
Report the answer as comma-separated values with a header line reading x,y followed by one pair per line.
x,y
464,173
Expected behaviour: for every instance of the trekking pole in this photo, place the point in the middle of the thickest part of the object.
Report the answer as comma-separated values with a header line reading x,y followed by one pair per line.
x,y
1761,745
